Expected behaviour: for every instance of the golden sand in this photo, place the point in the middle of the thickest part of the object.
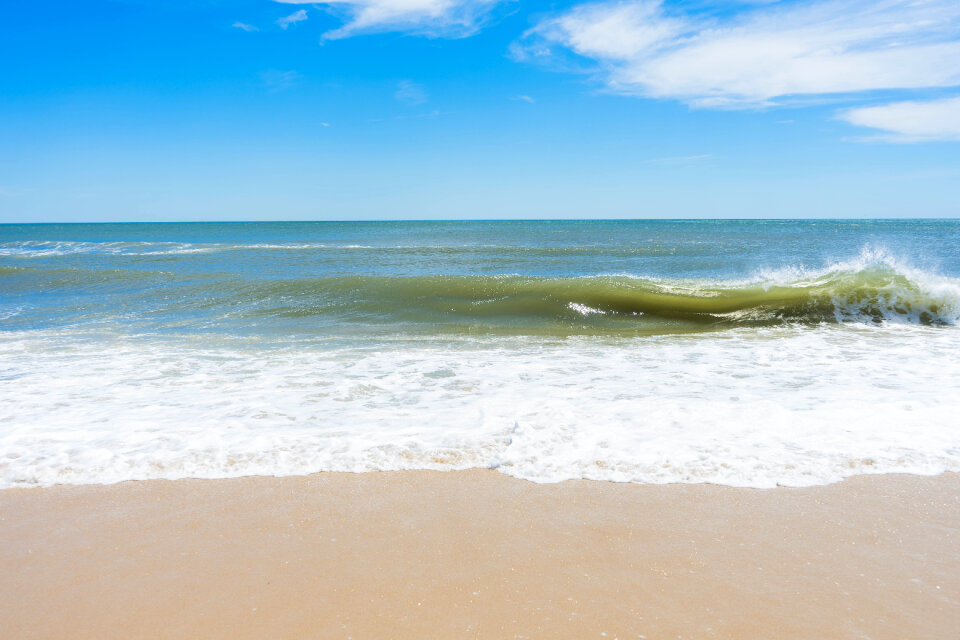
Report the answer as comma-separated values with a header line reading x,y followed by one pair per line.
x,y
477,554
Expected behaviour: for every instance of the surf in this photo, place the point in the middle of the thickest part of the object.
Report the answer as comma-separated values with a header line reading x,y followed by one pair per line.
x,y
872,293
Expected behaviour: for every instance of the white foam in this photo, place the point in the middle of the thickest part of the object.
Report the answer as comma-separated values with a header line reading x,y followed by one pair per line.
x,y
745,408
47,248
584,310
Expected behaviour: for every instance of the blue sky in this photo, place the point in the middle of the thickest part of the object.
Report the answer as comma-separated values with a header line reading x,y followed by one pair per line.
x,y
401,109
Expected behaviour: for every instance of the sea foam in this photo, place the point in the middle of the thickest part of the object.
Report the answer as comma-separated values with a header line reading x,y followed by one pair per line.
x,y
759,408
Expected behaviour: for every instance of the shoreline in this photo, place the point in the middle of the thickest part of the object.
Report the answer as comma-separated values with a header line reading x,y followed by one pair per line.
x,y
478,554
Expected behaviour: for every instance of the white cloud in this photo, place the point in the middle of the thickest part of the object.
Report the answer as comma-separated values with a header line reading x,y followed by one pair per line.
x,y
245,27
526,99
761,54
675,160
910,121
293,18
410,93
438,18
276,80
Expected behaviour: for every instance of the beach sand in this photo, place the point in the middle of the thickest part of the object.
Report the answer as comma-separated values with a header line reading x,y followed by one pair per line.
x,y
477,554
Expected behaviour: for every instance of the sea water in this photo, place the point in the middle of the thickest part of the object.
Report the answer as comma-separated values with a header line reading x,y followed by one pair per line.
x,y
747,353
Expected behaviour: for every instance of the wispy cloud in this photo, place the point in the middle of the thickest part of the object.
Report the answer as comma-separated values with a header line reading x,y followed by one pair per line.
x,y
293,18
275,80
523,98
410,93
245,26
678,160
434,18
411,116
760,55
910,121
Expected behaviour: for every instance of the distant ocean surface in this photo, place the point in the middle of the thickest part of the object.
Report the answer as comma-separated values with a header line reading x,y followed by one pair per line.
x,y
746,353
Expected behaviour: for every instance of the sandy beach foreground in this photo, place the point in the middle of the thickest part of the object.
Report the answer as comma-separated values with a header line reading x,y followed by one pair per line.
x,y
477,554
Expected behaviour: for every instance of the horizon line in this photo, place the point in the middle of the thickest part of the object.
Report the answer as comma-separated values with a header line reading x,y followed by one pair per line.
x,y
451,220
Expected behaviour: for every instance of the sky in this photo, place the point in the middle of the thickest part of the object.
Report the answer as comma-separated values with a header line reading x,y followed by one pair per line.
x,y
155,110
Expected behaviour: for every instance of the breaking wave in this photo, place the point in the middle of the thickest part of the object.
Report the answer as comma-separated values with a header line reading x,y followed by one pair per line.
x,y
873,289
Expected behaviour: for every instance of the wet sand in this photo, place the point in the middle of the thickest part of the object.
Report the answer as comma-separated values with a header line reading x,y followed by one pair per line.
x,y
476,554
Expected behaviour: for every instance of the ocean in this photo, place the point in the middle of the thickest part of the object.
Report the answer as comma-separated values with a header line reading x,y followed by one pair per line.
x,y
744,353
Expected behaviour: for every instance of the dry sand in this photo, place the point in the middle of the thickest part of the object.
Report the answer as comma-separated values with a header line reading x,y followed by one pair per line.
x,y
477,554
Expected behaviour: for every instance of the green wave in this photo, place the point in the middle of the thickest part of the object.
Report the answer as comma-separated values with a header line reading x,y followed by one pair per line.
x,y
872,295
512,304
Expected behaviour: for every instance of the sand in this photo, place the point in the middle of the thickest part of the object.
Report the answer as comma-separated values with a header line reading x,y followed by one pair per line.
x,y
477,554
